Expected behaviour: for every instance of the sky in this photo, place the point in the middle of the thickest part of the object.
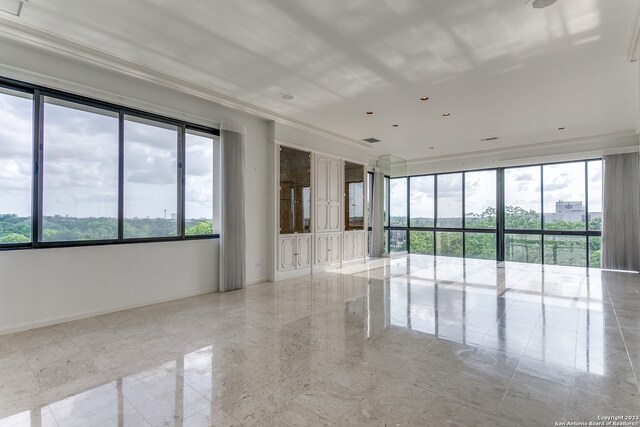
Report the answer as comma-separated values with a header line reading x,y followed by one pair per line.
x,y
81,164
562,182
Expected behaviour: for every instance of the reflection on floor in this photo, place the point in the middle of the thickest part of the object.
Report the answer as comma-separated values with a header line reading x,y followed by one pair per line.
x,y
416,341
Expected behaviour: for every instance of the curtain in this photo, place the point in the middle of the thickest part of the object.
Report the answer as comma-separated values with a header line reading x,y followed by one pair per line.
x,y
621,212
377,214
232,233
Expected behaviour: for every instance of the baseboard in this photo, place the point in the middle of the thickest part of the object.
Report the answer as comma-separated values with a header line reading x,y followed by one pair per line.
x,y
63,319
257,281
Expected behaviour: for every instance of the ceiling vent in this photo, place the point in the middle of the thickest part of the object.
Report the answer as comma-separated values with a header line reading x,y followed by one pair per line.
x,y
540,4
13,7
493,138
371,140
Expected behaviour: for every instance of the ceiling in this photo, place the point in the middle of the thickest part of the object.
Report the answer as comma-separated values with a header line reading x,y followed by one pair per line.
x,y
499,67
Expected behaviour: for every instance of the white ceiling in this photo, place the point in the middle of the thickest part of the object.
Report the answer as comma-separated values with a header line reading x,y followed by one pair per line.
x,y
500,67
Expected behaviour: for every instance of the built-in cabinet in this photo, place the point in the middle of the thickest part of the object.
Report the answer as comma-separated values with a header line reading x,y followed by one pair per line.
x,y
294,252
327,201
321,212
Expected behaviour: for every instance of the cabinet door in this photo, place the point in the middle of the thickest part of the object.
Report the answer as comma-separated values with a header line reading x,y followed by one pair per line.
x,y
303,251
359,245
321,197
334,247
322,249
348,246
287,254
334,193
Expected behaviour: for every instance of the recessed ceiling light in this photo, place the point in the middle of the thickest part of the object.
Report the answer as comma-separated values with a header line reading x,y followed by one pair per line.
x,y
369,113
371,140
424,98
446,114
431,148
395,126
561,128
286,96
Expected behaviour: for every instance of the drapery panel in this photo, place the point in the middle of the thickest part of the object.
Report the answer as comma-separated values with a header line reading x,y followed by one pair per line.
x,y
232,233
621,212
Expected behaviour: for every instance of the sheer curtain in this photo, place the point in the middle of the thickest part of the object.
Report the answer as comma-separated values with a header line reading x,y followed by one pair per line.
x,y
232,233
621,212
377,214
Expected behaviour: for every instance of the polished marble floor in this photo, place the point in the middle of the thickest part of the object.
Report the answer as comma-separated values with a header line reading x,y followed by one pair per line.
x,y
407,341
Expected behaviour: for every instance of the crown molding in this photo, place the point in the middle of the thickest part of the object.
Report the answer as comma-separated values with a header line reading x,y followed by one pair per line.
x,y
15,30
633,51
525,147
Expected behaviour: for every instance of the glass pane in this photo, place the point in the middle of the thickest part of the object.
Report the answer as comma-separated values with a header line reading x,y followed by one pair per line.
x,y
202,204
449,244
386,241
564,201
80,173
150,179
295,191
594,171
523,248
422,242
398,242
565,250
422,201
450,201
480,245
522,198
398,202
354,196
594,251
480,199
16,170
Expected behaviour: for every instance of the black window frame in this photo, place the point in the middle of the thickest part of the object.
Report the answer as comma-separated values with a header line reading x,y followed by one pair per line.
x,y
500,231
38,94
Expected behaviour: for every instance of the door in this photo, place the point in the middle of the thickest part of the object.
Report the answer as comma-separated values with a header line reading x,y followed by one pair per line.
x,y
287,253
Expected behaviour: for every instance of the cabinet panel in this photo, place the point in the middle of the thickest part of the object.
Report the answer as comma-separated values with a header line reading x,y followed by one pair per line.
x,y
287,257
348,246
333,217
322,178
334,248
333,183
303,251
322,216
360,243
322,249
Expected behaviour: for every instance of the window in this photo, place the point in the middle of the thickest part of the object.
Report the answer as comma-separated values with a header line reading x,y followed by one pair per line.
x,y
449,201
422,242
480,245
103,173
449,244
16,170
422,198
594,182
565,250
354,196
150,178
398,202
202,158
397,240
80,172
564,196
480,199
523,248
522,198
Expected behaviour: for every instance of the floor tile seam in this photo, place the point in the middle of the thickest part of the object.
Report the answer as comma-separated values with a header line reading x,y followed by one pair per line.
x,y
515,371
623,339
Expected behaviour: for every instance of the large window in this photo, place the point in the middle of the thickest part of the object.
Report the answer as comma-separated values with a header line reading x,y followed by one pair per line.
x,y
101,173
16,166
551,214
80,172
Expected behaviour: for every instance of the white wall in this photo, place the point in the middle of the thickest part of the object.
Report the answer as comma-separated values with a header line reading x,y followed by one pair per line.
x,y
45,286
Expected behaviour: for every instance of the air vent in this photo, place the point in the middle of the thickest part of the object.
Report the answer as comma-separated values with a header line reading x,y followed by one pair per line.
x,y
493,138
371,140
13,7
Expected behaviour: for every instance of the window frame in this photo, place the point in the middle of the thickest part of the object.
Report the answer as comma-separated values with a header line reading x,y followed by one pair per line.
x,y
38,94
500,231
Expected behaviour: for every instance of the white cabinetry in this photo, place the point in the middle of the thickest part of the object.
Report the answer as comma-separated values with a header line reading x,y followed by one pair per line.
x,y
294,252
328,248
354,245
328,194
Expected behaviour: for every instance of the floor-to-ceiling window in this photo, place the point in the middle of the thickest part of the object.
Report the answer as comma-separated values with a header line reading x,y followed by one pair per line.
x,y
547,213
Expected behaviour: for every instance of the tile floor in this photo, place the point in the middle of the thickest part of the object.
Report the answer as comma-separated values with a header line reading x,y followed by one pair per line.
x,y
408,341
